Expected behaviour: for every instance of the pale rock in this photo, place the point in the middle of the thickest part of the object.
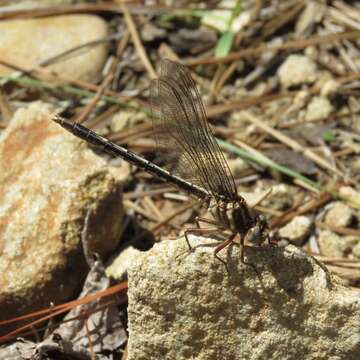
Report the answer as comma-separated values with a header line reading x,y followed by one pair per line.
x,y
186,306
48,180
281,197
297,70
333,245
220,19
118,266
124,119
339,215
238,166
33,4
351,195
318,109
297,229
356,250
329,87
355,165
28,42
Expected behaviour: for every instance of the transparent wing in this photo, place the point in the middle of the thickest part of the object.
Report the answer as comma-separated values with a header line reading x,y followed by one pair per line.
x,y
179,115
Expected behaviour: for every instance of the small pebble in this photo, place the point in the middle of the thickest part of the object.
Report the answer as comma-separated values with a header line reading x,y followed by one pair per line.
x,y
238,166
356,250
297,70
329,88
124,119
334,245
296,230
340,215
351,195
118,266
318,109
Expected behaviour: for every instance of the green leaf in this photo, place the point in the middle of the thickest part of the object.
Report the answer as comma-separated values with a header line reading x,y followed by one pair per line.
x,y
224,44
328,136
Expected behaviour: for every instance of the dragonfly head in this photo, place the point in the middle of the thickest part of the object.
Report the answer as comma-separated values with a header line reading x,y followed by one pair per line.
x,y
256,234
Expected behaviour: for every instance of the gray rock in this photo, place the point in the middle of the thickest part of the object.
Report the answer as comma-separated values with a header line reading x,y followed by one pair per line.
x,y
28,42
186,306
48,178
297,70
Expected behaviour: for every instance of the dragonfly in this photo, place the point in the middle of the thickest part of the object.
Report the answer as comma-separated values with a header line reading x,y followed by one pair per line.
x,y
201,169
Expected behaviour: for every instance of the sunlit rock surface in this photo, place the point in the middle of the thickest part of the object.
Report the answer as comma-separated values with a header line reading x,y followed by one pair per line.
x,y
48,180
186,306
29,42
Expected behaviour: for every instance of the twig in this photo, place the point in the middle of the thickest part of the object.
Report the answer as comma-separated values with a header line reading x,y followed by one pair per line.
x,y
291,45
100,91
137,42
291,143
338,229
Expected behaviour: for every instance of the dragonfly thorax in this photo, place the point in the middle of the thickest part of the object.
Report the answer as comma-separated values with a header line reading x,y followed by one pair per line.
x,y
239,218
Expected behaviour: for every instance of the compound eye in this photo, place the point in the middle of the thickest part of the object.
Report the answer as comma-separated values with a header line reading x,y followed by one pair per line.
x,y
262,219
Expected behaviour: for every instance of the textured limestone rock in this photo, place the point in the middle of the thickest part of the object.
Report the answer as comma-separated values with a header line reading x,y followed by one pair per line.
x,y
297,70
28,42
186,306
48,179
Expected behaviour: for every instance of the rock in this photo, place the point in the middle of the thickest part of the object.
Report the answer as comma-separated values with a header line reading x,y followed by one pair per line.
x,y
238,166
297,70
333,245
318,109
297,230
329,88
339,215
220,19
34,4
351,195
191,39
118,266
186,306
150,32
281,197
48,180
28,42
124,119
356,250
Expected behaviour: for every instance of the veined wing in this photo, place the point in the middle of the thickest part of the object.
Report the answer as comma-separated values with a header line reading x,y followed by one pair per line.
x,y
178,111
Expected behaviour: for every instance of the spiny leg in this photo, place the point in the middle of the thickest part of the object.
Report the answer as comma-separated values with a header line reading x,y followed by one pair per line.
x,y
201,231
222,246
199,220
242,256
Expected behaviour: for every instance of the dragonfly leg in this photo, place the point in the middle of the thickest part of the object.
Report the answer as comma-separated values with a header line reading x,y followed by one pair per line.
x,y
271,240
242,256
199,220
199,231
222,246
